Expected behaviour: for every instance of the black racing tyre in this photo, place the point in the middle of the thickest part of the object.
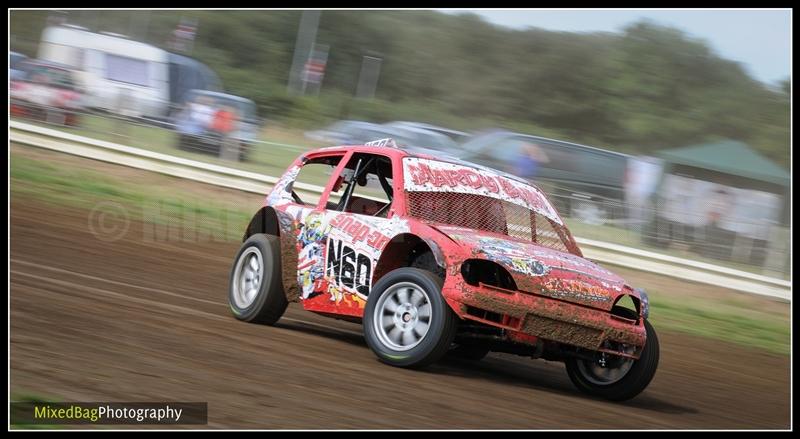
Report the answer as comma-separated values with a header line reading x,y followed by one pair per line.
x,y
218,146
182,142
407,322
244,151
590,378
255,291
471,352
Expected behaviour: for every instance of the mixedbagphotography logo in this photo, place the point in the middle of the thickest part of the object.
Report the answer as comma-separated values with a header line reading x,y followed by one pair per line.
x,y
100,413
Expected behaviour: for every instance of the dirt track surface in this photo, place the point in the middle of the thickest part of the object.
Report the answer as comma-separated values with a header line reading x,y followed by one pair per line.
x,y
141,320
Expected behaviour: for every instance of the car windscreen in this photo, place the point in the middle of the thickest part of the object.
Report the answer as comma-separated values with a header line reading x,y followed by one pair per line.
x,y
440,142
245,109
347,128
46,75
425,138
482,199
369,135
478,143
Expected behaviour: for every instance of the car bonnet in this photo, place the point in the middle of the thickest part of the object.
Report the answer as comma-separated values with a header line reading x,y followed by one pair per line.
x,y
540,270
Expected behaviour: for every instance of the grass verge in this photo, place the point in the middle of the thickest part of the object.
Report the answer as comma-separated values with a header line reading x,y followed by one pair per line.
x,y
176,210
30,397
728,323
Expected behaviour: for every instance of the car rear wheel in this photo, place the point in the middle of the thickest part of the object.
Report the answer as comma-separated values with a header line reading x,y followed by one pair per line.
x,y
183,142
407,323
255,290
244,151
72,120
613,377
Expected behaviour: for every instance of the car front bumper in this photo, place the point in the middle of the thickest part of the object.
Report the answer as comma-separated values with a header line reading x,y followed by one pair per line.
x,y
528,317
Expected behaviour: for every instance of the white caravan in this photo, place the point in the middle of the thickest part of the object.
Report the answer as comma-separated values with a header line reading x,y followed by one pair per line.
x,y
117,74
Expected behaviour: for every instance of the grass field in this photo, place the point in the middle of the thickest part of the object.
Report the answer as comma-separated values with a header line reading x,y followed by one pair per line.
x,y
55,181
33,398
222,219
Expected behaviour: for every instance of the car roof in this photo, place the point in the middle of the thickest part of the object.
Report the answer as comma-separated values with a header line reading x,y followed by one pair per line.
x,y
400,153
547,140
44,63
390,130
219,95
416,129
357,123
426,126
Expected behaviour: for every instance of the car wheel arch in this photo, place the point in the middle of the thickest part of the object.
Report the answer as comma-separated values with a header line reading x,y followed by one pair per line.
x,y
264,221
270,221
410,250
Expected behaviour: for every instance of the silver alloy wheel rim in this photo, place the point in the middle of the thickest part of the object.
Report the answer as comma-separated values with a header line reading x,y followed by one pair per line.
x,y
604,376
402,316
248,277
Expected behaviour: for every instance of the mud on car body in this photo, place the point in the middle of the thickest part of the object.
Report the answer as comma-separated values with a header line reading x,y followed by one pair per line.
x,y
438,257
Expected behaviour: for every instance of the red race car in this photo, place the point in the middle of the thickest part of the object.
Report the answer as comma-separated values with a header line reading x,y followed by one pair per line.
x,y
440,257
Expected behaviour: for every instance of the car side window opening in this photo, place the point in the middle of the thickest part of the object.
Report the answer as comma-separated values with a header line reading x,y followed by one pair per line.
x,y
314,172
366,186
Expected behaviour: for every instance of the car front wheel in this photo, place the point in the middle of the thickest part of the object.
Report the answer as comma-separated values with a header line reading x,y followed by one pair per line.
x,y
407,322
613,377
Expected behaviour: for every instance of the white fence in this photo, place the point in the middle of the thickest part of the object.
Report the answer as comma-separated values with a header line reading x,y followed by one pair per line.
x,y
613,254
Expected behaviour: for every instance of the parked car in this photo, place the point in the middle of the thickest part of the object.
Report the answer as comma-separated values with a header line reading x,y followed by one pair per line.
x,y
351,132
46,91
343,132
448,257
586,182
418,137
199,128
454,135
187,74
14,60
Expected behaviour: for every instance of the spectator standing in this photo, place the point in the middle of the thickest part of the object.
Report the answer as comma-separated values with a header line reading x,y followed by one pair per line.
x,y
530,159
202,112
224,124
